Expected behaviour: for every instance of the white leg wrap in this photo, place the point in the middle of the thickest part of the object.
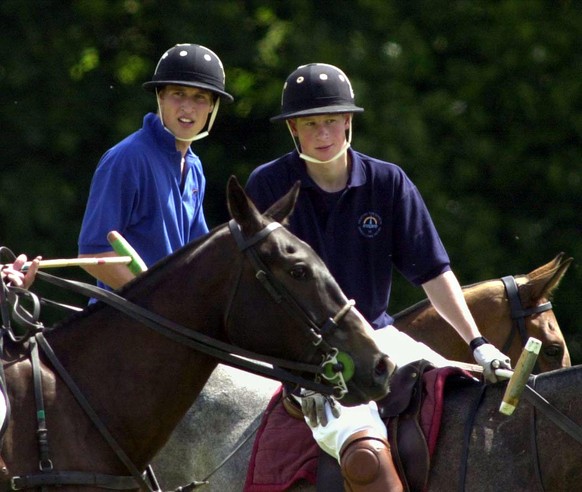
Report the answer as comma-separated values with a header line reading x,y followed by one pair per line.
x,y
3,409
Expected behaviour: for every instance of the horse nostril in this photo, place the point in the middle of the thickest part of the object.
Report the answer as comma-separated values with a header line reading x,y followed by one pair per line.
x,y
382,367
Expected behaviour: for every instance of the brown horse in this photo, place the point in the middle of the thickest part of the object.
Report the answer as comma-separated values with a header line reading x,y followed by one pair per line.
x,y
113,384
508,311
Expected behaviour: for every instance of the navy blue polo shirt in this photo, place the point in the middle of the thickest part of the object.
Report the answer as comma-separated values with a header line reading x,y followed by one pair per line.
x,y
377,223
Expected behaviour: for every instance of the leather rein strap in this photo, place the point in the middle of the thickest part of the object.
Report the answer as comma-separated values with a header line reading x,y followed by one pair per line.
x,y
229,354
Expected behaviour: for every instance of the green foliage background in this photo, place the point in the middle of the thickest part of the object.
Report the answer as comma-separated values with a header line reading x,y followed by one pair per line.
x,y
479,101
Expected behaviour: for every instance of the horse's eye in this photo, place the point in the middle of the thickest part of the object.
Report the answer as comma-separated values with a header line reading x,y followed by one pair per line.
x,y
553,351
299,272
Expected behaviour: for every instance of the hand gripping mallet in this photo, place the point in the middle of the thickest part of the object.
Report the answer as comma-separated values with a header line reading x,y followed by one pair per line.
x,y
123,248
519,378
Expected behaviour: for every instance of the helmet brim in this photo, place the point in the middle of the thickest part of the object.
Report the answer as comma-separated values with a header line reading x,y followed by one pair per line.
x,y
318,111
153,84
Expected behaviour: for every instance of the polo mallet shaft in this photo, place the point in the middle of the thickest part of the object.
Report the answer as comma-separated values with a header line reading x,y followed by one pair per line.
x,y
69,262
123,248
523,369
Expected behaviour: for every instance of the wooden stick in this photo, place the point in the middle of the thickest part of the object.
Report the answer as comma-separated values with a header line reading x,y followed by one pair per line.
x,y
467,366
69,262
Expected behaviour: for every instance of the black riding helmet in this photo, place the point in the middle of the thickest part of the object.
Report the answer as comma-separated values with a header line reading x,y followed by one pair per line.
x,y
190,65
315,89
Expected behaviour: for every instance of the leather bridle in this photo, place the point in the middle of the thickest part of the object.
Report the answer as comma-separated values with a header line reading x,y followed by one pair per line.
x,y
518,314
293,307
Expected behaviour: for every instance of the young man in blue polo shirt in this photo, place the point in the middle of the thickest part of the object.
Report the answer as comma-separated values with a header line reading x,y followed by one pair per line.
x,y
364,217
150,186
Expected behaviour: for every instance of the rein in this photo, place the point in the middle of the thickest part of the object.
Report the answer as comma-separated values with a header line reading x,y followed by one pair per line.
x,y
229,354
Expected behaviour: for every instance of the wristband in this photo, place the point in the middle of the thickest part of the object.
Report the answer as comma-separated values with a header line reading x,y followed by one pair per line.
x,y
477,342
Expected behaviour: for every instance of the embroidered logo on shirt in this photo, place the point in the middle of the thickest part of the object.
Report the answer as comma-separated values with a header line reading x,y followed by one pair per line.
x,y
369,224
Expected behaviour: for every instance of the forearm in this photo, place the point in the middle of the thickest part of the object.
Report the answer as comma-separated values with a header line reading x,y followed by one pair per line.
x,y
446,295
115,276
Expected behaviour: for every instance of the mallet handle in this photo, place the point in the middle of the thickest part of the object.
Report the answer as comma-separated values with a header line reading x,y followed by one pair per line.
x,y
69,262
523,368
123,248
502,373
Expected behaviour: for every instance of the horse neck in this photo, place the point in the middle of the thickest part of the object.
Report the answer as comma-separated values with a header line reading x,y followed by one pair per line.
x,y
143,381
422,322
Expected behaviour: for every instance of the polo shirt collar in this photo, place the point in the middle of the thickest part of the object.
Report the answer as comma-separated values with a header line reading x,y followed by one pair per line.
x,y
357,173
166,139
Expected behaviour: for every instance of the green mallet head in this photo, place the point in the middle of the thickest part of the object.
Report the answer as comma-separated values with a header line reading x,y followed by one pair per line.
x,y
123,248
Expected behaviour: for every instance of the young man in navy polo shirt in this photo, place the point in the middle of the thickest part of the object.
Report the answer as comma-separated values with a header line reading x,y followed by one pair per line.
x,y
364,217
150,186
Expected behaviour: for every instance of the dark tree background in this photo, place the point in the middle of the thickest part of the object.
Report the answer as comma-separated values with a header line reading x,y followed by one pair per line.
x,y
479,101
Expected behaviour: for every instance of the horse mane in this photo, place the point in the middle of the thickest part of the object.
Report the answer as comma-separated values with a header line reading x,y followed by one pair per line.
x,y
541,282
469,290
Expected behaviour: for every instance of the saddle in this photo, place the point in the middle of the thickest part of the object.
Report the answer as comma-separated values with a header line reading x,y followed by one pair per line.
x,y
400,411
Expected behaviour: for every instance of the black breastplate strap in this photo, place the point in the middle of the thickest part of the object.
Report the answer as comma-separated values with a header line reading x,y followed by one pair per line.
x,y
60,478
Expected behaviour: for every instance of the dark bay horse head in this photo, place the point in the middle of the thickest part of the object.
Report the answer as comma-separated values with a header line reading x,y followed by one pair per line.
x,y
491,306
290,274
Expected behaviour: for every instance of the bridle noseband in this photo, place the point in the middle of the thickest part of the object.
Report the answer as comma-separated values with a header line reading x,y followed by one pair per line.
x,y
336,367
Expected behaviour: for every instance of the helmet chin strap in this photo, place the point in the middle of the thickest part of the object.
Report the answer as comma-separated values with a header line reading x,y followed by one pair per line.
x,y
306,157
195,137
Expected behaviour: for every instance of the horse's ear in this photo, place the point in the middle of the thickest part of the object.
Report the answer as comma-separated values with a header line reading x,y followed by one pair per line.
x,y
283,207
544,280
240,206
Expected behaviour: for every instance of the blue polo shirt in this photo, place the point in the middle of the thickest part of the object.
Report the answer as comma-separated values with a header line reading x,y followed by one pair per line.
x,y
138,190
377,223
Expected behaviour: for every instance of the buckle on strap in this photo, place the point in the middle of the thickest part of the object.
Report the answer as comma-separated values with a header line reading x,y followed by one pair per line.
x,y
14,483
